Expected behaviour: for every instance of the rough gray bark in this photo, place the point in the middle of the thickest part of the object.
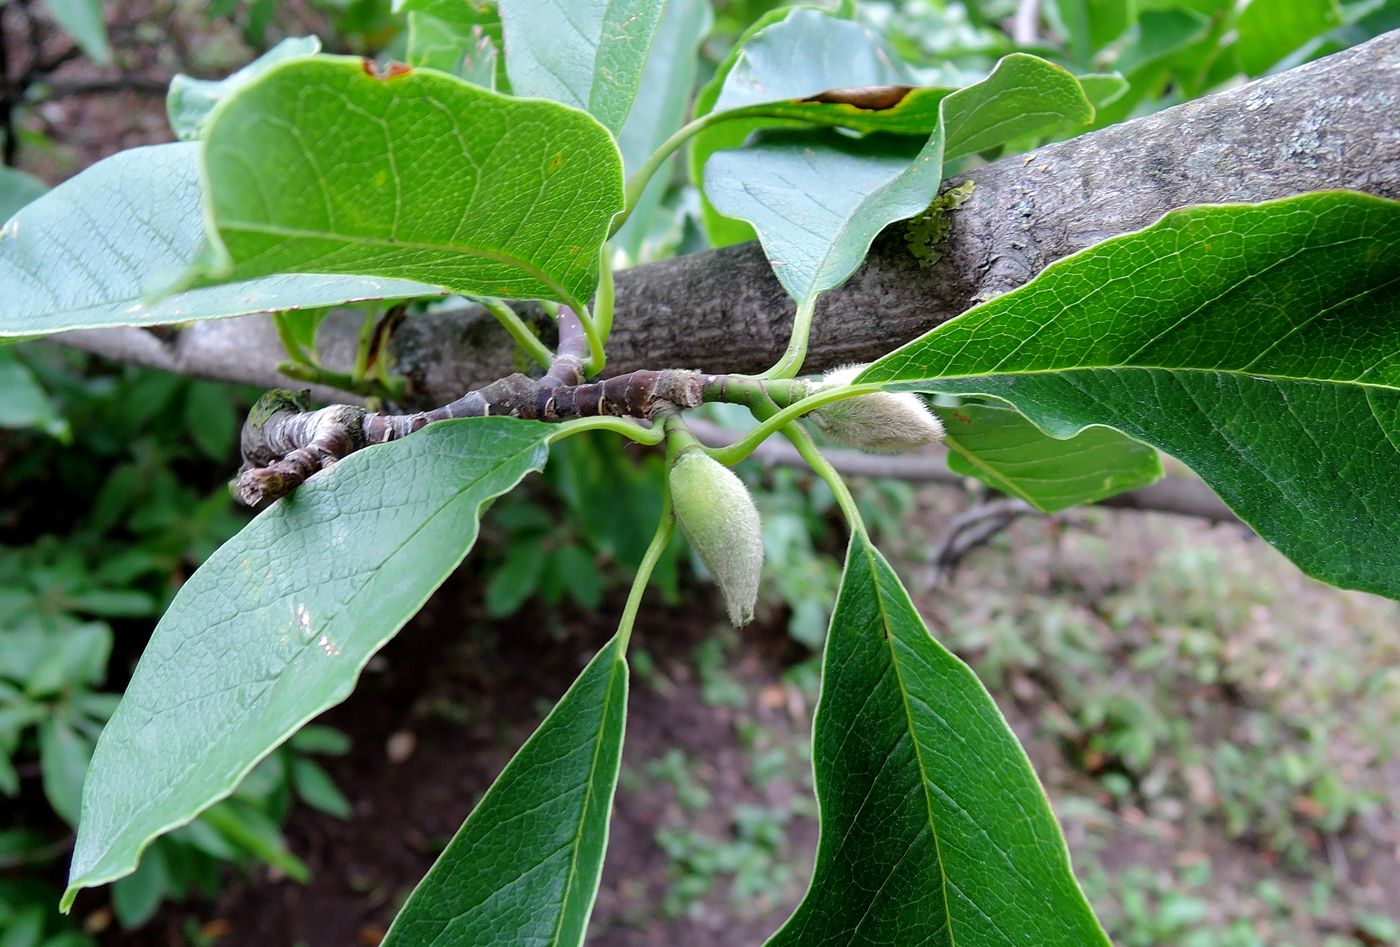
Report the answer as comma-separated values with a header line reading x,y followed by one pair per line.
x,y
1329,124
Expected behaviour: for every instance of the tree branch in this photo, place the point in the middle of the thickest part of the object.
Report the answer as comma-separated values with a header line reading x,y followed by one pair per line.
x,y
1328,124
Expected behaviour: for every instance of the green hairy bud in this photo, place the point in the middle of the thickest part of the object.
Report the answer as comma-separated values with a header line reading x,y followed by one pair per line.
x,y
883,422
717,515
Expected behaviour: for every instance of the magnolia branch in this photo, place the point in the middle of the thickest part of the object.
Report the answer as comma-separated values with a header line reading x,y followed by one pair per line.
x,y
1328,124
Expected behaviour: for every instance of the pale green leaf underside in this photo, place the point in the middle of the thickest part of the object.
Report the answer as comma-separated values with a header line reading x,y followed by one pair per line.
x,y
524,867
586,55
277,624
89,253
659,109
1259,344
1004,450
934,828
818,199
320,166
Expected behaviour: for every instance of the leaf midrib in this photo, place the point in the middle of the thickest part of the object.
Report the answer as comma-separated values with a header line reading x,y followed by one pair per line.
x,y
587,800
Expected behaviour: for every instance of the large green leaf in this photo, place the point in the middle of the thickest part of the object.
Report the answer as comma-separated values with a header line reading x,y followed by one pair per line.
x,y
934,829
524,867
816,234
325,165
277,624
1260,344
190,100
88,253
1002,449
587,55
660,108
17,188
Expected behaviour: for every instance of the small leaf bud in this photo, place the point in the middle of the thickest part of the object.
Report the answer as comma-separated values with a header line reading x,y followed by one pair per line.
x,y
883,422
719,519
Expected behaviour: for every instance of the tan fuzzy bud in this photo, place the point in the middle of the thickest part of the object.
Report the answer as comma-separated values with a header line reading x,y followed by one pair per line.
x,y
717,515
883,422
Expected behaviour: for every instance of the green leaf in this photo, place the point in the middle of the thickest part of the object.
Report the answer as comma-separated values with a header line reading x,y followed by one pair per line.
x,y
323,165
136,897
211,420
1004,450
586,55
88,254
816,235
190,100
318,790
82,19
524,867
660,108
462,37
1092,24
23,403
253,831
1256,343
277,624
63,756
17,188
516,579
934,829
1271,29
787,54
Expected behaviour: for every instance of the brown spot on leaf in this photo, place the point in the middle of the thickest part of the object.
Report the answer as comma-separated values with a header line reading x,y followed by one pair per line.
x,y
393,69
875,98
556,162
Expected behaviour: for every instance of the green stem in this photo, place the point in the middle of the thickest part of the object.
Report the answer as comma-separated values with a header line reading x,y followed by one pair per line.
x,y
390,388
639,181
629,429
603,300
639,582
743,447
292,346
362,350
791,363
596,358
807,449
519,331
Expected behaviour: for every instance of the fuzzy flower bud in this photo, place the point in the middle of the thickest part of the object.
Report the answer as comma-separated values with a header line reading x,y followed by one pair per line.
x,y
883,422
717,515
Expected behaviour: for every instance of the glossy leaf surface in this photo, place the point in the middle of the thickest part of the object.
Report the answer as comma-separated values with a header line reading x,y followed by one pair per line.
x,y
324,165
934,828
90,252
587,55
1258,344
524,867
1001,448
277,624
